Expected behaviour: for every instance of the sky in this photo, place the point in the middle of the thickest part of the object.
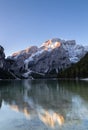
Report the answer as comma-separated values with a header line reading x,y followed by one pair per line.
x,y
24,23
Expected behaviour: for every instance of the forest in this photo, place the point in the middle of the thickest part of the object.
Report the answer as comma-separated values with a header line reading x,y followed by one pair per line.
x,y
78,70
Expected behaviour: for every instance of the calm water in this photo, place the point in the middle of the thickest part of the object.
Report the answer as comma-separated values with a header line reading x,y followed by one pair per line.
x,y
43,105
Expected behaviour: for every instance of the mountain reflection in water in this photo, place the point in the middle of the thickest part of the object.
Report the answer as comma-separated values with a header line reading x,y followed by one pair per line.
x,y
55,103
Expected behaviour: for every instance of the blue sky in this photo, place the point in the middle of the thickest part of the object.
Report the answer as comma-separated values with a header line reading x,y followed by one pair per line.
x,y
31,22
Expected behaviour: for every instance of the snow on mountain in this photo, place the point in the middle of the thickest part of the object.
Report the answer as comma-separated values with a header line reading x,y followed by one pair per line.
x,y
75,51
52,56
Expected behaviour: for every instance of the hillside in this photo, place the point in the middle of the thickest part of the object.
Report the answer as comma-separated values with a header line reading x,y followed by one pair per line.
x,y
78,70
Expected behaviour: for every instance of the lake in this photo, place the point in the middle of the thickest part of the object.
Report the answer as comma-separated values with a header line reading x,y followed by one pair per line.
x,y
43,105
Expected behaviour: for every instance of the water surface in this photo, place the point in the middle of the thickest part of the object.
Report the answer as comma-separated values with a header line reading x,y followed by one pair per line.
x,y
43,105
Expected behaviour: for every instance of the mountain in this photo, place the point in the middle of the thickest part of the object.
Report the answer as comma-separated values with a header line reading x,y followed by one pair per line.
x,y
78,70
47,60
4,66
2,57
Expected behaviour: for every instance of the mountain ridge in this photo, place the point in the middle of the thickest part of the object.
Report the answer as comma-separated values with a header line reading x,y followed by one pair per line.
x,y
52,56
46,61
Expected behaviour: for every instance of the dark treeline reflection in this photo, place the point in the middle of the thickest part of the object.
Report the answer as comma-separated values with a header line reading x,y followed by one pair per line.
x,y
61,100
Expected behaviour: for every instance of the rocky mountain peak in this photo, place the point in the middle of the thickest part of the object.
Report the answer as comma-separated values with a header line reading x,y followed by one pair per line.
x,y
31,49
2,56
69,42
57,42
1,49
52,44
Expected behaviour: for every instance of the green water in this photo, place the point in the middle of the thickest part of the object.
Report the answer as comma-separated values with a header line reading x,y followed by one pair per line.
x,y
43,105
